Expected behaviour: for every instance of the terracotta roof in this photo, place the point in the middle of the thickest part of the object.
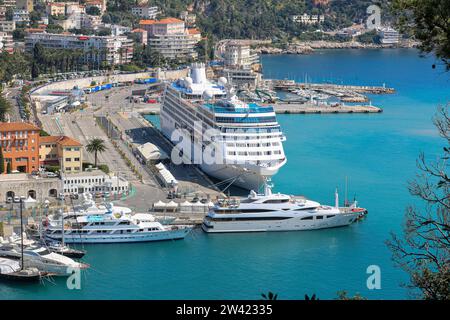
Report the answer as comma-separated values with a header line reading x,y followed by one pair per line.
x,y
17,126
162,21
62,140
34,30
194,31
147,21
138,30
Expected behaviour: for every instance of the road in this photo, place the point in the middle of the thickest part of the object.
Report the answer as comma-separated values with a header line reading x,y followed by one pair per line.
x,y
10,94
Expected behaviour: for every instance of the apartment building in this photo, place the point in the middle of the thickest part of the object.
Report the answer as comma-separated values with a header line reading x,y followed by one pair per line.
x,y
63,151
142,35
389,36
145,12
308,19
21,15
7,26
6,42
97,49
20,146
170,37
9,3
238,55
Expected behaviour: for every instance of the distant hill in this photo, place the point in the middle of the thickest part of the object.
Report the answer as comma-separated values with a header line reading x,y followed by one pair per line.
x,y
266,18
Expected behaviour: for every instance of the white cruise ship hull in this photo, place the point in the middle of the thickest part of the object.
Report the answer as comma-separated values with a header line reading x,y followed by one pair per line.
x,y
122,238
291,224
244,175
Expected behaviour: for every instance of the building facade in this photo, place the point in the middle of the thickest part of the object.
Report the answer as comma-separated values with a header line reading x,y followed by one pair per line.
x,y
239,56
309,19
145,12
97,49
7,26
62,151
94,181
170,37
6,42
389,36
20,146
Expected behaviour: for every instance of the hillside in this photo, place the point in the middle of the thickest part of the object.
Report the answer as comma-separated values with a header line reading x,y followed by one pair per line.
x,y
266,18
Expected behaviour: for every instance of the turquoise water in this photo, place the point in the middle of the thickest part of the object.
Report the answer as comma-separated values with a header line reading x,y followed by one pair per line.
x,y
376,152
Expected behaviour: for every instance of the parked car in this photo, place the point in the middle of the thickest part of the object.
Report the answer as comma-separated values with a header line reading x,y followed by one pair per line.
x,y
51,175
16,199
74,196
9,200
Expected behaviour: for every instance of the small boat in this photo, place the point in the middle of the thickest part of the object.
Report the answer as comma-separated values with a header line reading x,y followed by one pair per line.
x,y
58,247
10,270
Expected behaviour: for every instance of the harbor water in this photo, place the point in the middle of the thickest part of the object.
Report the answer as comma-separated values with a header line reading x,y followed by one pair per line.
x,y
377,152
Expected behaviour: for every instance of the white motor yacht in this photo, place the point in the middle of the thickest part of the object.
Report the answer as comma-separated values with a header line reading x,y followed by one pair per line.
x,y
276,212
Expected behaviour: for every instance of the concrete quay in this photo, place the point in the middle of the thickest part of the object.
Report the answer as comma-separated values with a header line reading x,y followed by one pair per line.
x,y
307,108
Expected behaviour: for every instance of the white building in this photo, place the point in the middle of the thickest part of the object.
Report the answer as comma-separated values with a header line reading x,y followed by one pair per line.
x,y
389,36
21,15
170,37
145,12
94,181
237,55
7,26
6,42
308,19
99,49
149,153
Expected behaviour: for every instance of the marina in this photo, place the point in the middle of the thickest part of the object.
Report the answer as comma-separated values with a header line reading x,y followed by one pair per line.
x,y
200,255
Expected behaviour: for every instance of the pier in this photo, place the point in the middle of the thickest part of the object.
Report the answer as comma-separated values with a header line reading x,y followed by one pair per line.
x,y
308,108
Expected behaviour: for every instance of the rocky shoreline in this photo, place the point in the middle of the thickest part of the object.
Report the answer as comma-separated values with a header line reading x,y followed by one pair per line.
x,y
308,47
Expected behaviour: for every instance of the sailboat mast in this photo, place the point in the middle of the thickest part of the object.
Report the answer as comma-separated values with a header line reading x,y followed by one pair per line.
x,y
21,237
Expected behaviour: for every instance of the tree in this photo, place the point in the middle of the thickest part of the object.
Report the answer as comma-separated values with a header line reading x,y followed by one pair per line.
x,y
2,161
95,146
93,11
5,107
424,250
428,21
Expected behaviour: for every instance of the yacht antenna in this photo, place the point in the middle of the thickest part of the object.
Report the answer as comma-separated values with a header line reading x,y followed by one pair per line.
x,y
336,198
346,191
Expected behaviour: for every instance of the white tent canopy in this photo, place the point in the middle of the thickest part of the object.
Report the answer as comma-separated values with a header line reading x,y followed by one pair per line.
x,y
172,205
159,205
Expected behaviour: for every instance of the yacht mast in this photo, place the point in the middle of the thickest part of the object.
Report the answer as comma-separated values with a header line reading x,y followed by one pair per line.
x,y
21,237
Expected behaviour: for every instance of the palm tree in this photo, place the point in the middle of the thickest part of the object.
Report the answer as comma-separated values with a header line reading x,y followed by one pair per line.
x,y
96,145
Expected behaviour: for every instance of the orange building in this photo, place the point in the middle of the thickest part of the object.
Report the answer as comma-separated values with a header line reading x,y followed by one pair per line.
x,y
20,146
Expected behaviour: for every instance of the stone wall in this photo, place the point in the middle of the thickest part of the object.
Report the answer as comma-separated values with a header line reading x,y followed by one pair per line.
x,y
23,185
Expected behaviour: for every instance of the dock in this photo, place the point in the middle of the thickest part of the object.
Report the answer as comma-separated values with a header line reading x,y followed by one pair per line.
x,y
308,108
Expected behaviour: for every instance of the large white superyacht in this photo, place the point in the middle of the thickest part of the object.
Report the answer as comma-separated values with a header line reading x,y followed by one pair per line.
x,y
277,212
244,139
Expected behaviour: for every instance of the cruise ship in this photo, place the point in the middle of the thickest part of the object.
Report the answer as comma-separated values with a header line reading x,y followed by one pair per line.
x,y
277,212
244,139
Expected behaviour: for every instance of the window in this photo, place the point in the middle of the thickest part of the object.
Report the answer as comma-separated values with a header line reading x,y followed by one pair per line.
x,y
68,159
76,159
319,217
307,218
